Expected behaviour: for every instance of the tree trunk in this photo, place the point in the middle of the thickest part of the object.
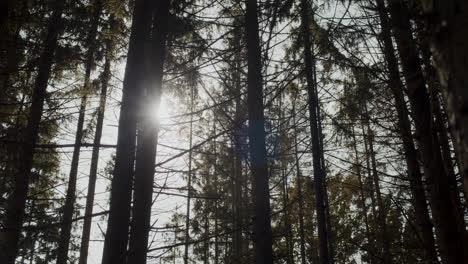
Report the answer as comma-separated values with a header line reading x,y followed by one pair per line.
x,y
319,178
449,228
448,23
14,214
261,197
69,207
116,240
148,129
381,213
370,240
105,78
411,156
215,175
189,175
300,196
238,181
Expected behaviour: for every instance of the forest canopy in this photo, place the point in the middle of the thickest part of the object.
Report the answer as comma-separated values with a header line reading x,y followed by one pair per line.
x,y
235,131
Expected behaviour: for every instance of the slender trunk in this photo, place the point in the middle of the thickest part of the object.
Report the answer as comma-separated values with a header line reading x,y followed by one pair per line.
x,y
287,220
238,242
381,213
116,240
285,190
411,155
148,129
206,224
215,174
69,207
259,168
86,232
300,196
331,247
189,178
449,227
319,178
448,23
370,240
14,215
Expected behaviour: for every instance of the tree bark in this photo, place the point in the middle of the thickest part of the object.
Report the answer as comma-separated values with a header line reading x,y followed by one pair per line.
x,y
449,227
258,162
411,157
14,215
148,129
116,240
323,230
448,23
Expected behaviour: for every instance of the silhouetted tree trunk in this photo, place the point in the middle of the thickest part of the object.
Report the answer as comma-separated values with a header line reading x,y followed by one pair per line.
x,y
69,207
116,240
447,21
148,129
370,239
215,175
319,178
415,177
189,174
381,213
105,78
258,162
14,214
449,226
238,179
300,196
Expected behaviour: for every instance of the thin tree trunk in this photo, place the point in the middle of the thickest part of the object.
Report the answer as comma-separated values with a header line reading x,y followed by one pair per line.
x,y
415,176
300,195
238,223
116,240
14,215
189,177
323,232
381,213
69,207
287,220
148,129
285,191
450,229
105,78
215,174
259,168
370,240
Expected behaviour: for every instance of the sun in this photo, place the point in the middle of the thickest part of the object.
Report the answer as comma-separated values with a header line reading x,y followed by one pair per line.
x,y
161,112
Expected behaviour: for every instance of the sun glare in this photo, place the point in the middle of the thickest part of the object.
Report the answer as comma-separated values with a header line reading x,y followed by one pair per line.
x,y
163,112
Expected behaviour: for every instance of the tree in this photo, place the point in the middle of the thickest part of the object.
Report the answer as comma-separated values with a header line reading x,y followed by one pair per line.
x,y
319,171
447,21
258,161
16,203
116,241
